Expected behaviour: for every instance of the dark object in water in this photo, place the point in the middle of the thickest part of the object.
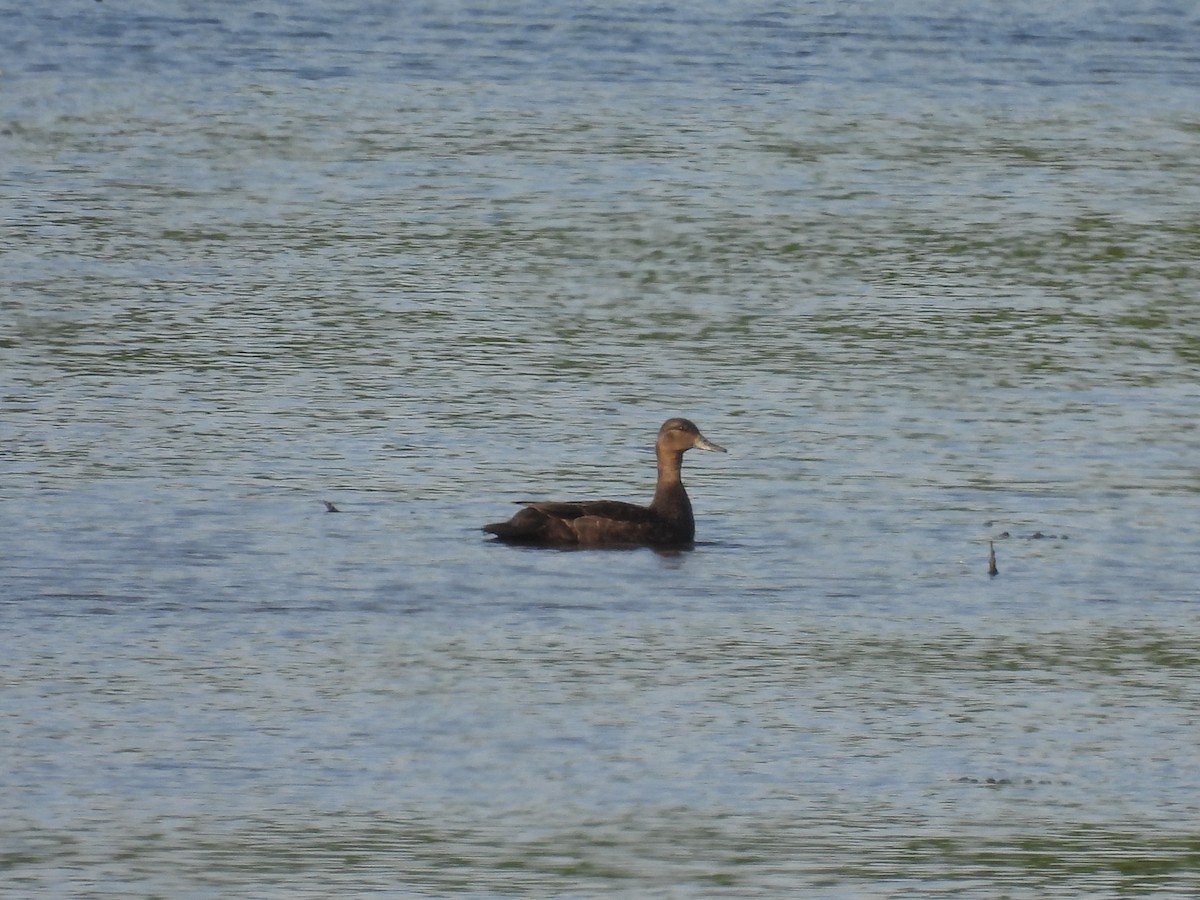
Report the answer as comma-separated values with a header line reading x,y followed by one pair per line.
x,y
329,507
666,522
992,570
1036,536
1003,782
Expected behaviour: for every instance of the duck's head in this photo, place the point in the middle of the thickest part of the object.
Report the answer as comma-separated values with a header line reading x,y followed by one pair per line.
x,y
677,435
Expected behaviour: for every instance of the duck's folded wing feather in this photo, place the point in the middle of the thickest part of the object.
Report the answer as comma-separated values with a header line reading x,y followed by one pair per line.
x,y
613,510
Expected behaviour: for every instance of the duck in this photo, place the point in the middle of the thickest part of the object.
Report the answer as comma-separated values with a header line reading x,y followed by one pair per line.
x,y
666,523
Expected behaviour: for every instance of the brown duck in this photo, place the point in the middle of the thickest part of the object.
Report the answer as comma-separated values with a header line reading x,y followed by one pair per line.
x,y
666,522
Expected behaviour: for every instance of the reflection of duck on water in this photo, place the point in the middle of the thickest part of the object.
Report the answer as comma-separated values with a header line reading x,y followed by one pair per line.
x,y
666,522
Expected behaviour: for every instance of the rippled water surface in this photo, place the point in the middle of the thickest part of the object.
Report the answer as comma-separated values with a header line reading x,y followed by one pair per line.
x,y
928,270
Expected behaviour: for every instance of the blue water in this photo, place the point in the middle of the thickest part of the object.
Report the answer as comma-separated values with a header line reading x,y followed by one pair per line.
x,y
927,270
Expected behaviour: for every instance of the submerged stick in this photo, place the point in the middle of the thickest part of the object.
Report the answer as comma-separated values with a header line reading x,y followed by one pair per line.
x,y
992,570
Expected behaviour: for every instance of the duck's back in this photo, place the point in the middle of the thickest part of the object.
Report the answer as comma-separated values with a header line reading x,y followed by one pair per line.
x,y
592,523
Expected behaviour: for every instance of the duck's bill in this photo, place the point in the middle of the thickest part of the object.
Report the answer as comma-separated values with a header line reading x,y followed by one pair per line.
x,y
703,443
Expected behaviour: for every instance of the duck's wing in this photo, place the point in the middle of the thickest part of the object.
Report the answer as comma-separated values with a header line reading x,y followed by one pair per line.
x,y
585,522
612,510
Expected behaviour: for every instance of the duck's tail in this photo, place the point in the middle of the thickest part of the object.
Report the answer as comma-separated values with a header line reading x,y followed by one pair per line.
x,y
527,525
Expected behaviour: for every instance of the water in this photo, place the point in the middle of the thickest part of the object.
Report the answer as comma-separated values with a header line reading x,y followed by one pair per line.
x,y
928,271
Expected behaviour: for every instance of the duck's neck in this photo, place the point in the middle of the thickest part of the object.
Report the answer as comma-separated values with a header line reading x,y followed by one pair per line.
x,y
670,499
